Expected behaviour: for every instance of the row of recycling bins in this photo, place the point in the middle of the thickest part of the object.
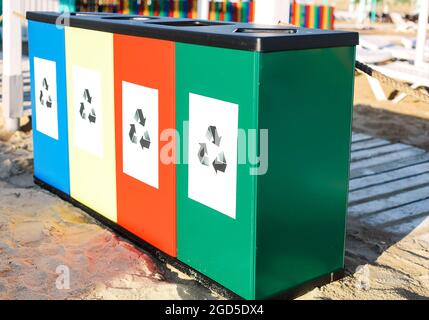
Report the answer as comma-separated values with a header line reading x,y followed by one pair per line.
x,y
224,145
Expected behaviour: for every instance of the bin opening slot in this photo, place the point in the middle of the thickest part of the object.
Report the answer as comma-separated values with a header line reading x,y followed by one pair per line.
x,y
266,30
132,18
86,14
191,23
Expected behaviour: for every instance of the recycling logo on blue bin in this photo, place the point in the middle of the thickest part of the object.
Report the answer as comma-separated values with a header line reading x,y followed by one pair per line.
x,y
45,88
213,139
140,122
44,96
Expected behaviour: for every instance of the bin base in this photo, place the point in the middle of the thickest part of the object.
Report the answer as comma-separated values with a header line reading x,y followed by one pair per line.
x,y
310,285
167,259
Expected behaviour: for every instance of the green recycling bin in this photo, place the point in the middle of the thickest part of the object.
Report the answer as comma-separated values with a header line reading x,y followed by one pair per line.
x,y
286,109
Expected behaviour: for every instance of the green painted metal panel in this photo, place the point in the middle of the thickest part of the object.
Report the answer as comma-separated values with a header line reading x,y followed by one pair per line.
x,y
306,100
214,243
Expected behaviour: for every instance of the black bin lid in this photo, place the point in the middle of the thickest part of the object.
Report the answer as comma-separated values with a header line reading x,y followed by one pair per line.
x,y
240,36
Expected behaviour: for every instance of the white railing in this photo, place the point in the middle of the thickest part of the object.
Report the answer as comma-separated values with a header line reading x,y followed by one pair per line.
x,y
14,23
38,5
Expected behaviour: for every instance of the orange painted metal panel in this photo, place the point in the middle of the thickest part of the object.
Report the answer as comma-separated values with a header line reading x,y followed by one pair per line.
x,y
145,107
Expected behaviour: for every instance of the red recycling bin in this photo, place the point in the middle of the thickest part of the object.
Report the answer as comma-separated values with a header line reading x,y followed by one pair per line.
x,y
145,146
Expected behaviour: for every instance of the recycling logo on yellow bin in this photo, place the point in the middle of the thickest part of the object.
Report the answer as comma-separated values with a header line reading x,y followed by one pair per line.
x,y
85,105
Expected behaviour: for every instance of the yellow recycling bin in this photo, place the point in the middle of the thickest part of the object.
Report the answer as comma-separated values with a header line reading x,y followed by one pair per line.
x,y
90,92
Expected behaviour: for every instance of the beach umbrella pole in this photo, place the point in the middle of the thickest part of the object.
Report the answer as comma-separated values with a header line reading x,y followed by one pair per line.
x,y
373,11
203,9
352,6
272,11
361,11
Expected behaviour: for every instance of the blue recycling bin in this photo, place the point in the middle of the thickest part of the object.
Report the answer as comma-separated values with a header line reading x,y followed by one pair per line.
x,y
49,108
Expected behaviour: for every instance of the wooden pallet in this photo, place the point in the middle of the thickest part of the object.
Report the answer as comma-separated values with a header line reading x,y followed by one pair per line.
x,y
389,184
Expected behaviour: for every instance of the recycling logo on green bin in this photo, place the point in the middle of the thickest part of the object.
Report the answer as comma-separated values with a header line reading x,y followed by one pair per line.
x,y
212,153
139,125
44,96
216,157
86,110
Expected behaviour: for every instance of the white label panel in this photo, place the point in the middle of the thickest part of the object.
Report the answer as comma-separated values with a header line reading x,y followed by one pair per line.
x,y
140,133
87,110
45,77
212,153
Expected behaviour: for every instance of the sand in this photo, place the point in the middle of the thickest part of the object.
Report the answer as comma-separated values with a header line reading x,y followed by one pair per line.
x,y
381,267
407,121
40,235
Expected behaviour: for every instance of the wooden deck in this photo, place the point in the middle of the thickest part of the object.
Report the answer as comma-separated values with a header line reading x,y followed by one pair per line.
x,y
389,184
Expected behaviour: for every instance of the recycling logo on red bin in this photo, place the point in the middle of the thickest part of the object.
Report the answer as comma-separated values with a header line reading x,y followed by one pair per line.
x,y
138,132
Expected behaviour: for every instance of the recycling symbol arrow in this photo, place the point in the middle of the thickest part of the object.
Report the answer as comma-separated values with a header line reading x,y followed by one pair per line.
x,y
219,162
213,136
203,154
44,96
140,121
86,104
